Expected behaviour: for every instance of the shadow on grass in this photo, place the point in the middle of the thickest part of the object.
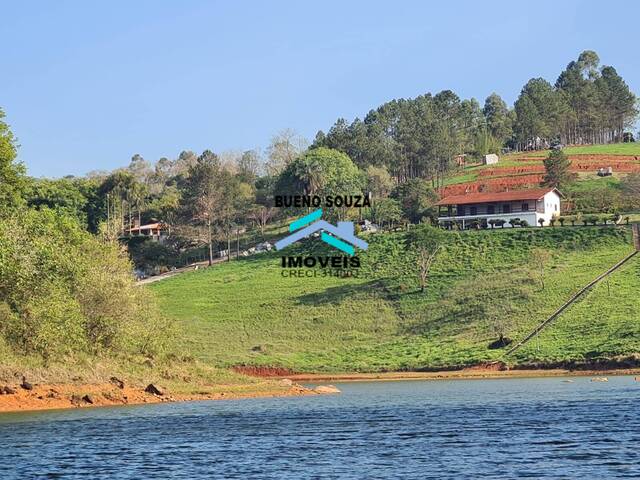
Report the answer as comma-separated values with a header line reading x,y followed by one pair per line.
x,y
343,292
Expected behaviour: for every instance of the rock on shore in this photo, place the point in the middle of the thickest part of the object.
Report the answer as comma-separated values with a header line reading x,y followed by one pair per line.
x,y
326,389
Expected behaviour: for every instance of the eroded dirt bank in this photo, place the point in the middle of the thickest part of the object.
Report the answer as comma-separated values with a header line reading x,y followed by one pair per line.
x,y
465,374
56,396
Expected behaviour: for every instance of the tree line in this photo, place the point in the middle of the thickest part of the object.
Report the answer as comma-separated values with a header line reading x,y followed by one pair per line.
x,y
421,137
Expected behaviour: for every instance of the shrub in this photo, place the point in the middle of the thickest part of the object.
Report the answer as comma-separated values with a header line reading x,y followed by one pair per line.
x,y
514,222
500,222
541,222
524,223
552,222
63,291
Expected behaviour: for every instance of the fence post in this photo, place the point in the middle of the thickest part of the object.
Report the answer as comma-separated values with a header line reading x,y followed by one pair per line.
x,y
636,235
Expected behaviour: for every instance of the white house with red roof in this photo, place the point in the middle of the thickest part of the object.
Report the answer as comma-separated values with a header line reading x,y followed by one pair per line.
x,y
529,205
154,231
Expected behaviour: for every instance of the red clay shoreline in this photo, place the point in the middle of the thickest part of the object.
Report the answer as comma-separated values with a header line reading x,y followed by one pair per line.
x,y
64,396
465,374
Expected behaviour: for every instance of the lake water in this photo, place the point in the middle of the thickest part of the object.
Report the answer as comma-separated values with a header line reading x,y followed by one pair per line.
x,y
511,428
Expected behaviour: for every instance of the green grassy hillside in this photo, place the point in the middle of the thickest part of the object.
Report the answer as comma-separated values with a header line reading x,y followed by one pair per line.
x,y
482,283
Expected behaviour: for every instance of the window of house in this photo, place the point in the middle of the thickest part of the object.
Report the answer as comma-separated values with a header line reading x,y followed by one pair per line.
x,y
525,207
506,208
491,209
473,210
460,210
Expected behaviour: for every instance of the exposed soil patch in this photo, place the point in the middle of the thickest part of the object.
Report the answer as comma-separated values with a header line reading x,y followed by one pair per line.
x,y
500,179
494,185
470,373
262,371
489,367
593,365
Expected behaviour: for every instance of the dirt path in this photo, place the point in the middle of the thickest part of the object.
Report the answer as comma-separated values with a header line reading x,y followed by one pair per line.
x,y
178,271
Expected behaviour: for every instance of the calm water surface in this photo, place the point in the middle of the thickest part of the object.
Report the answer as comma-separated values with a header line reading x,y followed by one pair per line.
x,y
515,428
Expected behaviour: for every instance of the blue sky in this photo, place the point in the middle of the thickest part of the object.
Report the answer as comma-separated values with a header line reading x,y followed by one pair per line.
x,y
87,85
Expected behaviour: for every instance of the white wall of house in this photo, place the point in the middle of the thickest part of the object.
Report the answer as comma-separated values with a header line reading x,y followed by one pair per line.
x,y
551,207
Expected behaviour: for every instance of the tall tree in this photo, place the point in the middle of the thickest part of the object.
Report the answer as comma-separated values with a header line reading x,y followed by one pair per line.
x,y
118,191
498,118
283,149
557,173
249,166
203,198
12,173
538,109
140,168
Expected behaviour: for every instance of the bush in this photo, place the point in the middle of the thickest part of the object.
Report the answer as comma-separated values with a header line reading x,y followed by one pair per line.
x,y
567,219
577,218
514,222
63,291
524,224
592,219
541,222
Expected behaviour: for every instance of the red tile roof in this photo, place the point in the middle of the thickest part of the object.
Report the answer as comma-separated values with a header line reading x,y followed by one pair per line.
x,y
530,194
145,227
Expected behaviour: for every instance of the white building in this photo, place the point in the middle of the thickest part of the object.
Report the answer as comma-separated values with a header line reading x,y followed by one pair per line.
x,y
154,231
529,205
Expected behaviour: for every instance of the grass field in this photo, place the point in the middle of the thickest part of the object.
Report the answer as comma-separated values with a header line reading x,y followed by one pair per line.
x,y
611,149
245,312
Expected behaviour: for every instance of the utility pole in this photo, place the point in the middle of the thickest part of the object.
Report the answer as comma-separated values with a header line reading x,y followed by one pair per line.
x,y
237,243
